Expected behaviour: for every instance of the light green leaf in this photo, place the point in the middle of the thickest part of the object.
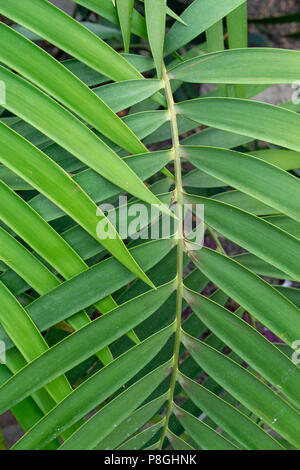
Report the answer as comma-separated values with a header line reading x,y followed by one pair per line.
x,y
23,262
252,118
285,223
21,329
106,9
259,266
237,27
255,65
54,183
256,235
172,14
104,32
125,10
61,126
215,138
250,175
245,202
124,94
285,159
40,68
55,26
199,16
156,20
200,179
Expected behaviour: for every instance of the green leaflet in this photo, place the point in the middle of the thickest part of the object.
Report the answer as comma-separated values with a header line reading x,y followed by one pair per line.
x,y
61,126
203,435
51,180
178,443
106,9
81,402
245,202
83,290
104,32
48,244
271,308
131,424
237,27
25,264
172,14
175,16
115,411
285,159
54,25
98,188
199,179
27,338
216,137
285,223
250,118
90,77
259,266
256,235
125,10
199,16
247,389
214,40
140,440
238,425
26,412
12,180
255,65
114,325
249,175
261,355
51,76
155,11
124,94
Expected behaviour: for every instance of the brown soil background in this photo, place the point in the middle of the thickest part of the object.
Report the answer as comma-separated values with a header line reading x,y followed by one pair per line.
x,y
276,33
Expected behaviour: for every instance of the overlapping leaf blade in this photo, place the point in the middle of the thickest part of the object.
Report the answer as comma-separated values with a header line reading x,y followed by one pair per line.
x,y
270,307
249,174
250,118
57,27
255,65
64,86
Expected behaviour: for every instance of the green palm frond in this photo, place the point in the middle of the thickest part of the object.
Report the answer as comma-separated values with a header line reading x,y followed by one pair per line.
x,y
148,340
